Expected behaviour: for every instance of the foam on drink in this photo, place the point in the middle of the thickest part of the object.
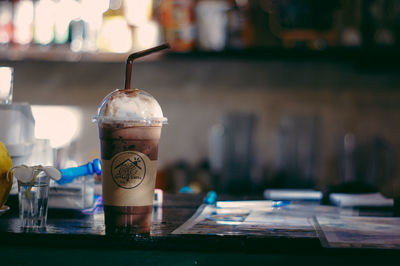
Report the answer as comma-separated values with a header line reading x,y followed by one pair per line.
x,y
133,105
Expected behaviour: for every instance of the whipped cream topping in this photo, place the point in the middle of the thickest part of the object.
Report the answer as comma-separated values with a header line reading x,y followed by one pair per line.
x,y
133,105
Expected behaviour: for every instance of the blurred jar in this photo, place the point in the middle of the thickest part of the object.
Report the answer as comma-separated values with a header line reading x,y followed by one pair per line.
x,y
115,34
177,19
138,12
23,22
6,27
86,18
77,28
92,17
145,31
239,27
44,22
66,11
212,20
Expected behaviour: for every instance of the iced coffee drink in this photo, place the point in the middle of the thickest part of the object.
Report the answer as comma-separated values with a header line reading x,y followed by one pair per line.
x,y
130,124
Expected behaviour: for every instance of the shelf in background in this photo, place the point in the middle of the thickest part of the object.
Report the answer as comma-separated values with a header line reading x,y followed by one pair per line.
x,y
370,58
61,53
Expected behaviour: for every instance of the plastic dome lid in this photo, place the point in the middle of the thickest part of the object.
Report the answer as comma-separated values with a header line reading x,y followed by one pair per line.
x,y
130,106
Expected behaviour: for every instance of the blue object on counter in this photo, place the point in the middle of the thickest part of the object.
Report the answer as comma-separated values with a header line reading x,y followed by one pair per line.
x,y
210,198
280,203
69,174
186,189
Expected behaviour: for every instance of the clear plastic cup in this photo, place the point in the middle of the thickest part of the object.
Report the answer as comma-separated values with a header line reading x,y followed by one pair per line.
x,y
129,150
33,198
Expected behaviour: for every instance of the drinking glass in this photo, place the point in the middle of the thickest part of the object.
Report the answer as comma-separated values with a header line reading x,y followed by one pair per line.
x,y
33,197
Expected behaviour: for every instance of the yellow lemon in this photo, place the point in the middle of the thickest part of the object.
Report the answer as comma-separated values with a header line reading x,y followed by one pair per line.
x,y
5,183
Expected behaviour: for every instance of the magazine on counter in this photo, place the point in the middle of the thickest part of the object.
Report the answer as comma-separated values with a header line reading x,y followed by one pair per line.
x,y
360,200
265,218
358,232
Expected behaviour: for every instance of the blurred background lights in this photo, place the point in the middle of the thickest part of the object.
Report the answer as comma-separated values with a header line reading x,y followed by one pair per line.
x,y
59,124
23,22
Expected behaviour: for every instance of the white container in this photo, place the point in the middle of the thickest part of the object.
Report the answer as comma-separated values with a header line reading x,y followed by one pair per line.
x,y
17,127
6,84
17,132
212,21
77,195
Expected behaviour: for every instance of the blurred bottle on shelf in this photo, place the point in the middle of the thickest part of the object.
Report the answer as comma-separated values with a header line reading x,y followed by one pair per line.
x,y
238,24
146,31
212,21
310,24
211,25
115,34
178,21
6,25
23,22
350,20
77,31
76,28
45,11
380,23
85,24
92,17
138,12
66,11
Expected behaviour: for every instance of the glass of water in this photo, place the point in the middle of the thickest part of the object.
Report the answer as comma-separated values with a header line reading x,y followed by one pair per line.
x,y
33,197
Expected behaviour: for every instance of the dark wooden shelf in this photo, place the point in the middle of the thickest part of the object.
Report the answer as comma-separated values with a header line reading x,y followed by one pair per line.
x,y
369,58
61,53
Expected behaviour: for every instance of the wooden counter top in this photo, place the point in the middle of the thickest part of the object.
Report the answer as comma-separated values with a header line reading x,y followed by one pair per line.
x,y
73,237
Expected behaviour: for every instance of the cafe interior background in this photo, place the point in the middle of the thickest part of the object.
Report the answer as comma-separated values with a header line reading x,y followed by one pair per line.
x,y
258,93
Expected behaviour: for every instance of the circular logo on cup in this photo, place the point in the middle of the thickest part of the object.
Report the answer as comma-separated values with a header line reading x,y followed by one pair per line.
x,y
128,169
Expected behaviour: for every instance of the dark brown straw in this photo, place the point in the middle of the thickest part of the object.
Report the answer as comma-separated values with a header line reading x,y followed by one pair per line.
x,y
132,57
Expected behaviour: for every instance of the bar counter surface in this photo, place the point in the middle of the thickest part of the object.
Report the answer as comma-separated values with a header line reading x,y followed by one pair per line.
x,y
72,238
